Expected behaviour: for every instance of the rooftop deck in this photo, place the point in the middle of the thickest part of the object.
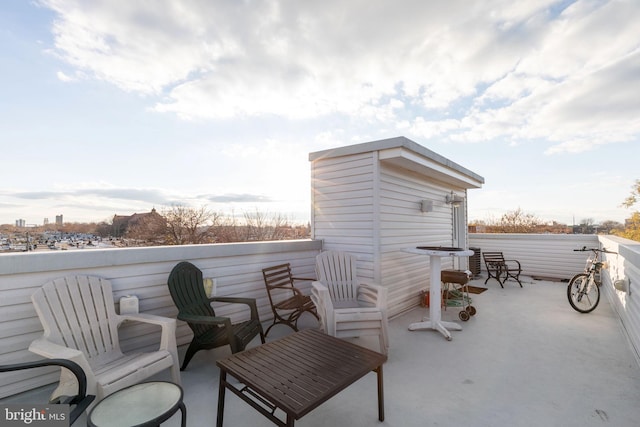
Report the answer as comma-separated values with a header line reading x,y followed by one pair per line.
x,y
525,359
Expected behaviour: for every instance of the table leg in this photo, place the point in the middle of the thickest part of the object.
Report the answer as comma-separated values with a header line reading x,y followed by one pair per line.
x,y
435,311
221,391
183,411
380,393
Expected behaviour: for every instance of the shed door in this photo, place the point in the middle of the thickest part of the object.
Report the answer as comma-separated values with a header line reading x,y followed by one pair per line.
x,y
459,236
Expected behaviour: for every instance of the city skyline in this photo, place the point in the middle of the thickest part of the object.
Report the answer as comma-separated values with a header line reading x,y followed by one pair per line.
x,y
118,107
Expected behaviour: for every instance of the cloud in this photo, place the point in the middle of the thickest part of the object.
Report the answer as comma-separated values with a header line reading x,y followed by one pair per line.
x,y
152,196
111,197
564,72
238,198
64,77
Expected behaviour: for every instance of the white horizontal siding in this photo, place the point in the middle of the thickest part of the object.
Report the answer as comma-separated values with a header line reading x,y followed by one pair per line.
x,y
624,265
541,255
343,208
237,267
403,225
142,272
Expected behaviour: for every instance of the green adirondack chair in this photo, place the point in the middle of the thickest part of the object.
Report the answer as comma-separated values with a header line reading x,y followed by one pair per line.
x,y
194,307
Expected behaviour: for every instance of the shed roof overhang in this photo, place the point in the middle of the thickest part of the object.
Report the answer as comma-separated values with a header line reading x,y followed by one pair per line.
x,y
406,154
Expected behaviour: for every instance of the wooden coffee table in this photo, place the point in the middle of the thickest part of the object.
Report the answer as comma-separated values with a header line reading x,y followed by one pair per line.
x,y
296,374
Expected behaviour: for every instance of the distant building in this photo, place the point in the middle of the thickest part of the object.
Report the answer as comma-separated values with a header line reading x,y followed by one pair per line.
x,y
122,223
59,221
20,223
45,221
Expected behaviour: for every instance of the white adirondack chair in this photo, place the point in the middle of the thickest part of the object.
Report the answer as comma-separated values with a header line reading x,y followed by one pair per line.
x,y
80,324
347,307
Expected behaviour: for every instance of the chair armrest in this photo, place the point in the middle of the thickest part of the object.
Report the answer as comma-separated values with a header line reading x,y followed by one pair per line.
x,y
72,366
51,350
205,320
288,288
514,261
45,348
235,300
322,292
307,279
148,318
167,325
324,306
81,399
373,294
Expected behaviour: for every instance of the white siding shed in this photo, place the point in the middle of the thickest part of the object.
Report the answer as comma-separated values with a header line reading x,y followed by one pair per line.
x,y
367,199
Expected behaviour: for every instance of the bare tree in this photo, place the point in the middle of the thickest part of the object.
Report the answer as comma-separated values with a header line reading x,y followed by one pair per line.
x,y
150,229
518,222
187,225
265,226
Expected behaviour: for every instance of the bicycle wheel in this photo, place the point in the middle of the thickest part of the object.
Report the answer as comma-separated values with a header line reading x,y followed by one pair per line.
x,y
579,299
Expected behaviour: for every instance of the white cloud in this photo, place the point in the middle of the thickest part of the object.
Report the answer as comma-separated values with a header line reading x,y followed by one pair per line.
x,y
64,77
453,70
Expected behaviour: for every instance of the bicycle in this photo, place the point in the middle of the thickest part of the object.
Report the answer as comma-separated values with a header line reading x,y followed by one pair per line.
x,y
584,288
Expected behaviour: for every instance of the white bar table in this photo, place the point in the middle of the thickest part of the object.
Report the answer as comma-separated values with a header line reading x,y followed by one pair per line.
x,y
435,321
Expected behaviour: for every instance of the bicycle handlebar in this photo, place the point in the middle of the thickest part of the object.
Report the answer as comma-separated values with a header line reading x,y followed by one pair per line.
x,y
585,249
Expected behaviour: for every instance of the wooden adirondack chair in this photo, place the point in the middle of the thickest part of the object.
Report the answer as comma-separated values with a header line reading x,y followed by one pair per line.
x,y
79,401
80,324
288,303
194,307
347,307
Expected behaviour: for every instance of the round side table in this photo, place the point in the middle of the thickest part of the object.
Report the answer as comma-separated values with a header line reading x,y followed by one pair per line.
x,y
146,404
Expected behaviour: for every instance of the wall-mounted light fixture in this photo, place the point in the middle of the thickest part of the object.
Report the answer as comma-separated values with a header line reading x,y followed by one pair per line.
x,y
623,285
454,199
426,206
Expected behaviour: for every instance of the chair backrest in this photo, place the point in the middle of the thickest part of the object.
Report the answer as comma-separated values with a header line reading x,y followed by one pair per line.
x,y
78,312
493,257
186,287
338,272
279,276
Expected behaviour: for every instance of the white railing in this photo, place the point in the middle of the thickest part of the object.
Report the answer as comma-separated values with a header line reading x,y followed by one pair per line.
x,y
551,256
237,269
546,256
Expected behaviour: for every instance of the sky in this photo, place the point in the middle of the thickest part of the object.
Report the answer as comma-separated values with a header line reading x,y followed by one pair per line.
x,y
117,106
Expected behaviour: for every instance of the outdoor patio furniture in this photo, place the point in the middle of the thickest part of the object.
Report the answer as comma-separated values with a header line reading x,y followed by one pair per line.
x,y
317,368
434,321
497,266
145,404
346,306
79,401
288,303
80,324
194,307
455,292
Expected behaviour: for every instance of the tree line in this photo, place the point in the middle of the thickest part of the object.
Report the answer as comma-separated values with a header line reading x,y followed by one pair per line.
x,y
182,225
518,221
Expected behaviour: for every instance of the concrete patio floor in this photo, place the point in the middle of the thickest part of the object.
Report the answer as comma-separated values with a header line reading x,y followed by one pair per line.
x,y
525,359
